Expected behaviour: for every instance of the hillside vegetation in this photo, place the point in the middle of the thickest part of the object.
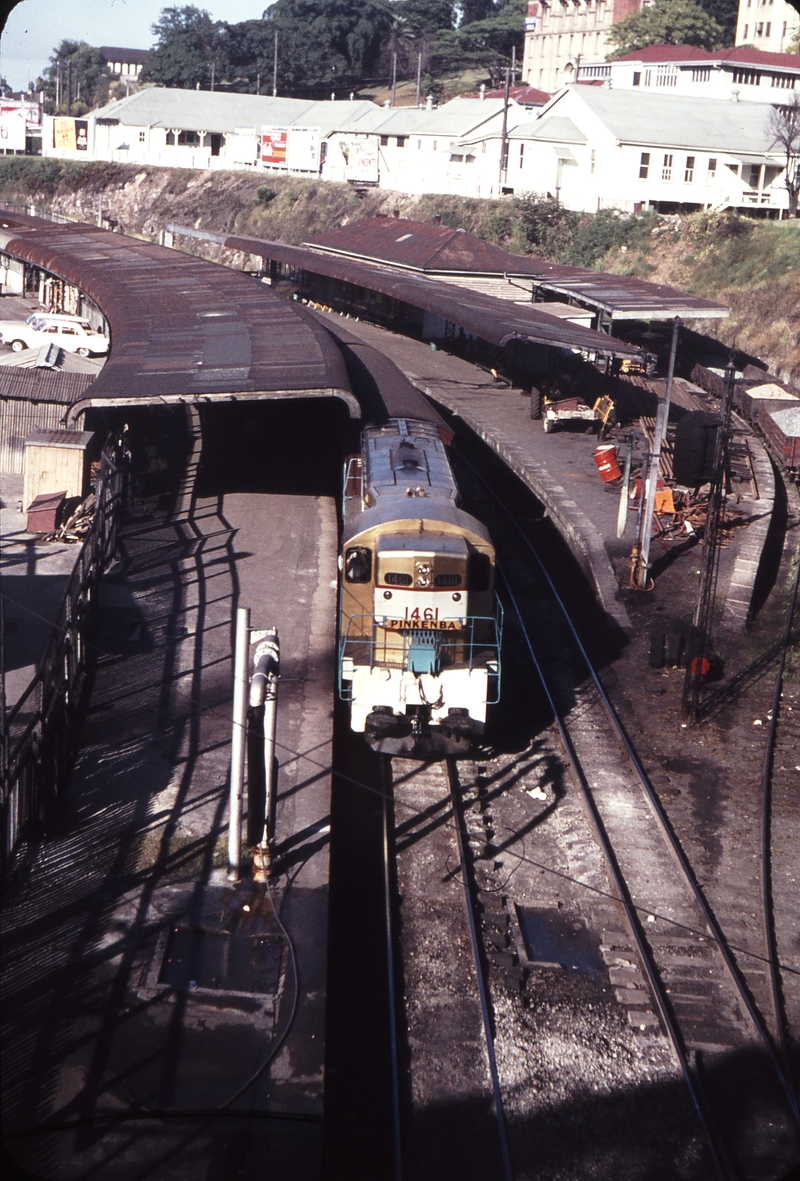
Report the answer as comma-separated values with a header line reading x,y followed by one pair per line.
x,y
754,266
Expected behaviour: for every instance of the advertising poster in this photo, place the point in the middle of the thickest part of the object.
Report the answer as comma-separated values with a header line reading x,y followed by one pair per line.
x,y
303,149
12,128
273,147
362,159
64,133
81,135
244,148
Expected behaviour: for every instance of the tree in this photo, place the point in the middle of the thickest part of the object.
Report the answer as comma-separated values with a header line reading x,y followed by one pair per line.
x,y
475,10
666,22
192,49
423,17
77,76
328,45
484,44
725,13
794,44
784,126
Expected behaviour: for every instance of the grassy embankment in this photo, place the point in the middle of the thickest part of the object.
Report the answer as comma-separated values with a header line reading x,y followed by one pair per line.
x,y
754,266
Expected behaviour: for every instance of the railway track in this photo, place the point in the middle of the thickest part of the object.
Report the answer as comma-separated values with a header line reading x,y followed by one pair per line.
x,y
450,1119
675,953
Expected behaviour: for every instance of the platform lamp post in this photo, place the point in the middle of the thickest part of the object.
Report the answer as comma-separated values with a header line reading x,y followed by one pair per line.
x,y
640,557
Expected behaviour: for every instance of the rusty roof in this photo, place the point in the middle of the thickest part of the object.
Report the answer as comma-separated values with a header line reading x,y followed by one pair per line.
x,y
182,328
438,249
493,320
43,385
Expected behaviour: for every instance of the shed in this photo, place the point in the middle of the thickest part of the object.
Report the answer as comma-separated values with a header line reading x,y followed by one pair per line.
x,y
55,461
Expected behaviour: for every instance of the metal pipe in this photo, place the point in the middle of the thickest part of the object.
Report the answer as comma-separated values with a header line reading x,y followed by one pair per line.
x,y
237,742
659,434
264,693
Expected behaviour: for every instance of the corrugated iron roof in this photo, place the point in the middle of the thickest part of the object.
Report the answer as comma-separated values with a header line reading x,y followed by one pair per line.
x,y
43,385
438,249
182,328
490,319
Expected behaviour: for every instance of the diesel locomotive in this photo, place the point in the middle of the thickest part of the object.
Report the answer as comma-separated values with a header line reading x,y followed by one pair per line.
x,y
420,624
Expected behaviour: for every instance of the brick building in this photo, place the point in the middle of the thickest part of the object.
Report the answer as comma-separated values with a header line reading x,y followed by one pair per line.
x,y
560,34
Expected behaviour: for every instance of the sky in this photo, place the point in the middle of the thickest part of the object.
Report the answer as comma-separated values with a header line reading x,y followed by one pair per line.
x,y
35,27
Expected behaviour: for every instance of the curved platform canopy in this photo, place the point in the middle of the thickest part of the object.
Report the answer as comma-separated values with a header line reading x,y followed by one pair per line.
x,y
490,319
182,329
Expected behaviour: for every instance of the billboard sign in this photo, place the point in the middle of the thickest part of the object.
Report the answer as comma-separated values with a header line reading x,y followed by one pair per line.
x,y
273,146
302,153
361,157
12,127
244,148
71,134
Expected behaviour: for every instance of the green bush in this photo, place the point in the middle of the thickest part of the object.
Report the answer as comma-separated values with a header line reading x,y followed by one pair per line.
x,y
608,229
545,227
264,195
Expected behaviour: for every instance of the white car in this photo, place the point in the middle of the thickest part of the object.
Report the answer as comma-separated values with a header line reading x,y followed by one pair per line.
x,y
73,333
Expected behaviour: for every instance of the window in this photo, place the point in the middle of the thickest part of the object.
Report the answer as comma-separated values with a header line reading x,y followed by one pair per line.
x,y
593,162
435,145
666,169
712,167
768,28
637,77
746,27
141,137
746,77
667,76
401,141
188,137
647,77
784,81
644,166
384,141
760,29
170,137
755,173
701,74
521,154
419,145
688,174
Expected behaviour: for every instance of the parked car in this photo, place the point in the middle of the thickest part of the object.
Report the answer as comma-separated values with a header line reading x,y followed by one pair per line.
x,y
73,333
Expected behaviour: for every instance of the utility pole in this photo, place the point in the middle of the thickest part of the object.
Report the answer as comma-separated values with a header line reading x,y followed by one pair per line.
x,y
258,82
640,557
69,87
419,78
394,77
275,67
213,69
504,133
701,644
513,65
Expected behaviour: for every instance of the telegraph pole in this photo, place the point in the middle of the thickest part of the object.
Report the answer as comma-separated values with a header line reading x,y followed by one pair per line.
x,y
504,134
394,78
275,67
641,553
419,78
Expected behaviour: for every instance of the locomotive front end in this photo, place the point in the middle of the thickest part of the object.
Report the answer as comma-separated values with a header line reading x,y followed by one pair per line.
x,y
420,628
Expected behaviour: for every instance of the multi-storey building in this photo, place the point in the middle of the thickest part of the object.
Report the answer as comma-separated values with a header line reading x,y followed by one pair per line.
x,y
560,34
766,24
742,74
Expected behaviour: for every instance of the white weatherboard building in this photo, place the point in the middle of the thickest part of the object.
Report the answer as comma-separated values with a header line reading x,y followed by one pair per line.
x,y
402,148
595,148
745,74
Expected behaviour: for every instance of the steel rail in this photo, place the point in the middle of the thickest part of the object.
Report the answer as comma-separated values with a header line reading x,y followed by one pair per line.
x,y
463,845
714,929
766,840
722,1165
386,779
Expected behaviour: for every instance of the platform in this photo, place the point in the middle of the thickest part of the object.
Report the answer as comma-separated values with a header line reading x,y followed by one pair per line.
x,y
141,989
560,470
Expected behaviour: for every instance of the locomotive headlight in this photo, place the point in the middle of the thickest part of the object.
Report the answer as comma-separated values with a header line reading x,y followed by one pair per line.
x,y
423,574
387,594
457,597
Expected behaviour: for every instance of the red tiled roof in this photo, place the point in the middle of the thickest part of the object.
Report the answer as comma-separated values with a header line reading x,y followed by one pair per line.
x,y
526,95
742,55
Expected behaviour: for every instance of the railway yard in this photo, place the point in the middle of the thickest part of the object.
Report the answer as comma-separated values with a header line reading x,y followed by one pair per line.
x,y
571,952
